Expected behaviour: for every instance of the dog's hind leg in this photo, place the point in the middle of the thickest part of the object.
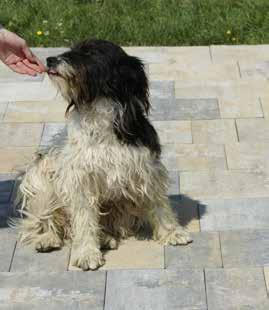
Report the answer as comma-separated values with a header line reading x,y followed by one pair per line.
x,y
46,221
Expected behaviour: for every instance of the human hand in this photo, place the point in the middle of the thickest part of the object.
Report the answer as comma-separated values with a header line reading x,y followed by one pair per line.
x,y
15,53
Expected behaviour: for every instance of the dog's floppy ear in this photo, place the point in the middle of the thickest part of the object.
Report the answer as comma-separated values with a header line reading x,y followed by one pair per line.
x,y
132,106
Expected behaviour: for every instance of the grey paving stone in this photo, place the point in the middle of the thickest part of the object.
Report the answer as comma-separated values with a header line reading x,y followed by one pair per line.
x,y
234,289
50,130
186,109
155,289
245,248
160,109
203,252
43,53
27,259
162,89
233,214
7,245
257,69
38,289
174,183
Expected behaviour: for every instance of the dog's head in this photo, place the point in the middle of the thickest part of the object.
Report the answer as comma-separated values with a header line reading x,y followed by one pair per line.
x,y
96,69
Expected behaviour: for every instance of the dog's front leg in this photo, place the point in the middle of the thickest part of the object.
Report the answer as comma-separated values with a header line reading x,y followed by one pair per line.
x,y
86,252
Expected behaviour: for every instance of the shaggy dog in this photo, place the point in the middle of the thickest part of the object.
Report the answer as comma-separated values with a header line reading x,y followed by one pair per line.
x,y
104,180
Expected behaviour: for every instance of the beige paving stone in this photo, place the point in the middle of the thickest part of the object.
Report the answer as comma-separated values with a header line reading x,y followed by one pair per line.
x,y
228,53
192,157
224,184
20,134
174,131
36,111
133,254
188,72
170,55
14,159
214,131
248,156
256,69
28,91
253,130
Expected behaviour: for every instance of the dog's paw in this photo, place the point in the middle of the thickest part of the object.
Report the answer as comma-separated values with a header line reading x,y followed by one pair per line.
x,y
90,260
178,236
48,242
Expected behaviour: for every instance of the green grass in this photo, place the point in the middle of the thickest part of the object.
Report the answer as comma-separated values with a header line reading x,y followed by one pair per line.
x,y
138,22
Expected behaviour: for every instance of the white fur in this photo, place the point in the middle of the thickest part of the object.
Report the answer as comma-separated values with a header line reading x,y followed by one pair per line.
x,y
93,190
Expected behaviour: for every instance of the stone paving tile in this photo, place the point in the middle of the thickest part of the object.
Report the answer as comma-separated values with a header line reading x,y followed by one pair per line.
x,y
7,76
203,252
162,89
254,70
52,289
20,134
214,131
234,214
232,289
30,91
245,248
27,259
7,245
173,188
133,254
35,111
3,107
174,131
50,130
155,289
171,55
196,109
160,109
190,72
223,184
14,159
247,156
194,157
186,210
229,54
6,187
43,53
253,130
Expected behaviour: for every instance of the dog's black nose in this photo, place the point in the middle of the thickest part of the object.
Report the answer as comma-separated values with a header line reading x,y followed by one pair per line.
x,y
52,61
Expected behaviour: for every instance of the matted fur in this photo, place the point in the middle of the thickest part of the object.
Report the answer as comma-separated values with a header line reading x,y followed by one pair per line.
x,y
103,181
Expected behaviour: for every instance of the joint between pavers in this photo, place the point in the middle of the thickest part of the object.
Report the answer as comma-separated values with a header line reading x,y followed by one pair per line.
x,y
12,257
210,53
104,303
239,69
236,129
220,248
261,106
206,300
5,112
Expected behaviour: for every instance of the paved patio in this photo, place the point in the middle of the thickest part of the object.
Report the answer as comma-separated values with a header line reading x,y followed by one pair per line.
x,y
211,109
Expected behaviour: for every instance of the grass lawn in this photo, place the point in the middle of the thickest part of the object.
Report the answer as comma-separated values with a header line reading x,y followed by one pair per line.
x,y
138,22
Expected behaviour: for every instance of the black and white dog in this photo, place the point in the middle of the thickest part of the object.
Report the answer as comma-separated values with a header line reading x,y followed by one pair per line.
x,y
104,180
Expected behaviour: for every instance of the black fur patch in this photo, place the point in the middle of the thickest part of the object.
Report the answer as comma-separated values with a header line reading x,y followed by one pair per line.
x,y
104,70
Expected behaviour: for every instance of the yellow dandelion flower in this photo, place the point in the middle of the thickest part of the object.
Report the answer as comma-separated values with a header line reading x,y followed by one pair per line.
x,y
39,33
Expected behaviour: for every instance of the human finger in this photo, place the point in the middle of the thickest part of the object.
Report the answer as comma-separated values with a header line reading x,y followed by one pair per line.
x,y
26,69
